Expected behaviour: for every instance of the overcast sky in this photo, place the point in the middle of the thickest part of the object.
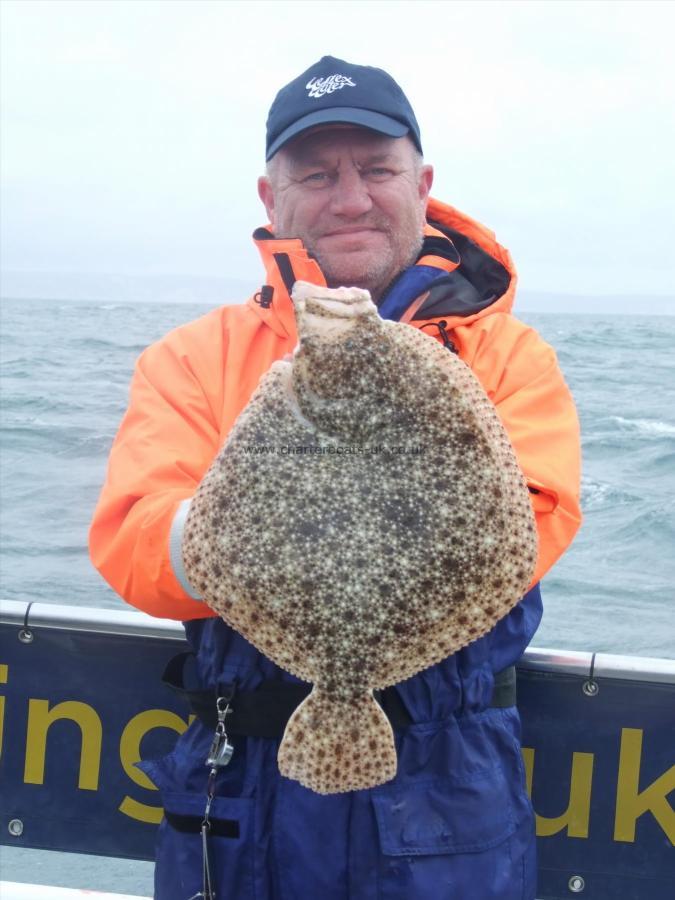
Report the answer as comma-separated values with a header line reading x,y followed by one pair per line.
x,y
133,131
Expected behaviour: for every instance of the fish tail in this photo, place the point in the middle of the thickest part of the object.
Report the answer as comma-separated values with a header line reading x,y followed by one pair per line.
x,y
332,745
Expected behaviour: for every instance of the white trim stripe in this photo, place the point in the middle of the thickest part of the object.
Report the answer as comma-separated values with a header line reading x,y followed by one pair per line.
x,y
12,890
175,548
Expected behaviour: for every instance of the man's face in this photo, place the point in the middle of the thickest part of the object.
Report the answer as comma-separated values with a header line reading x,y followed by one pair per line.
x,y
355,198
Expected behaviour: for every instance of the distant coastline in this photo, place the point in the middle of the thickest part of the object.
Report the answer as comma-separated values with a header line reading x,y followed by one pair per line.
x,y
213,290
607,305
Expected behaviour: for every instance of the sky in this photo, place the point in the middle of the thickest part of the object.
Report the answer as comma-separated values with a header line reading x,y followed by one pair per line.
x,y
132,131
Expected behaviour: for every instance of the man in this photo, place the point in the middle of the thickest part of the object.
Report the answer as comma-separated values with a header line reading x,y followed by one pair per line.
x,y
347,196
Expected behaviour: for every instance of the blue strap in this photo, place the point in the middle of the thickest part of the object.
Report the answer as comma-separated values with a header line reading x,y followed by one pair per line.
x,y
410,284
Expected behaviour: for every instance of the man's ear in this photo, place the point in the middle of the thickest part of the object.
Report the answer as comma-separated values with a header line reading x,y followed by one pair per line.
x,y
426,179
266,194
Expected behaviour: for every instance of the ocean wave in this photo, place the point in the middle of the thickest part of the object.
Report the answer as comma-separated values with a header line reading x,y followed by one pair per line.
x,y
42,550
596,494
16,369
35,436
89,343
664,464
645,426
655,521
22,411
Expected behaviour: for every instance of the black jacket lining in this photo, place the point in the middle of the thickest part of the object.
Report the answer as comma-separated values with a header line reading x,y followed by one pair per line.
x,y
286,269
453,295
435,246
477,282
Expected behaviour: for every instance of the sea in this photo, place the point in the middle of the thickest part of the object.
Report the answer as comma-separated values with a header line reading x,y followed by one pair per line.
x,y
65,369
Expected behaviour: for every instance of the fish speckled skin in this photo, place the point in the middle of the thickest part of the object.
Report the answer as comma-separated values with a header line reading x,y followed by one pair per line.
x,y
365,518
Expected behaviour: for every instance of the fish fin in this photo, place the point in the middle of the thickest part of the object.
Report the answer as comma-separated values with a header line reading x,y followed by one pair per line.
x,y
331,746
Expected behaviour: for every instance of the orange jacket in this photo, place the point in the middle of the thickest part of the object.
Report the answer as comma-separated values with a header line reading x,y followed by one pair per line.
x,y
188,389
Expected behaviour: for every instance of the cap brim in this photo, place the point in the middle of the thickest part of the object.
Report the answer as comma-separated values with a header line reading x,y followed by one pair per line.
x,y
339,115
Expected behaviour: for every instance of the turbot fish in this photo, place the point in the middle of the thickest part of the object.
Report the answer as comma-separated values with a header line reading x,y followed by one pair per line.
x,y
365,518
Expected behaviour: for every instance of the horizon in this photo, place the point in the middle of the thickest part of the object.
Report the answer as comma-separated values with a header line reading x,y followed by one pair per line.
x,y
212,291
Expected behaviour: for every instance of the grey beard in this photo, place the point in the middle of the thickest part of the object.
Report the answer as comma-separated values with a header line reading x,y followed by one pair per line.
x,y
376,280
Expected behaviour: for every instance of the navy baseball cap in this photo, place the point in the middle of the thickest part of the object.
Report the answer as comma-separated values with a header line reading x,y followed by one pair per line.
x,y
333,91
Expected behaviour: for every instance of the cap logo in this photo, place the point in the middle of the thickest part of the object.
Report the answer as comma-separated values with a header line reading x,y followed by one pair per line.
x,y
317,87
